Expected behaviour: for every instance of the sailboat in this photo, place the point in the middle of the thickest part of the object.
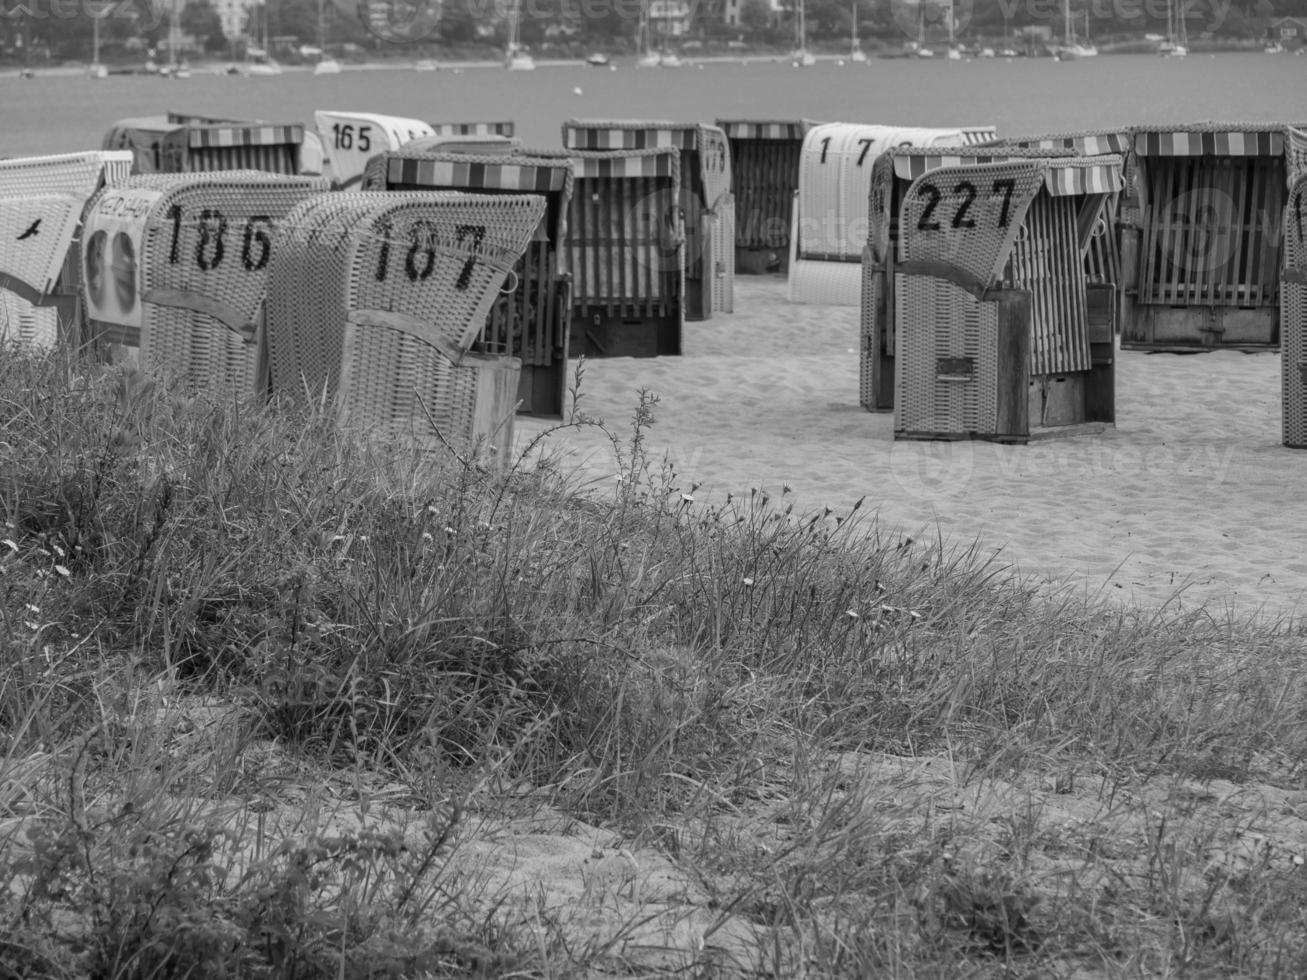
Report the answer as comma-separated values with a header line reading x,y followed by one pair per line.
x,y
96,69
954,52
646,56
803,58
174,68
257,60
855,48
1176,44
1070,49
516,57
326,64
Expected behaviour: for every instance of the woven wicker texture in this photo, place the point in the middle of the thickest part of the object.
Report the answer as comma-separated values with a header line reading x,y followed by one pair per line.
x,y
376,299
23,323
351,139
80,174
529,321
204,275
935,319
881,208
967,218
1295,150
36,231
869,329
1293,317
625,244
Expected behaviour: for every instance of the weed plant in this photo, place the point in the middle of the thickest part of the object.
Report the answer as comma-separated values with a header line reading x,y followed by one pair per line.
x,y
209,605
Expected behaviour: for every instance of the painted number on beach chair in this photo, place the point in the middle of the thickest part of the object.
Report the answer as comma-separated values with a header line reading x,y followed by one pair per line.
x,y
211,248
865,143
965,190
477,233
342,135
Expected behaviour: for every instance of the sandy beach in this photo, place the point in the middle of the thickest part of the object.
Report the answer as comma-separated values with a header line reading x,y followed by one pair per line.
x,y
1191,498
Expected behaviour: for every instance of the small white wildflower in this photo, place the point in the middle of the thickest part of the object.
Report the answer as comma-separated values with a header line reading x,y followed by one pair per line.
x,y
33,609
426,536
748,582
449,530
687,498
31,625
43,552
888,609
1297,860
62,571
914,614
8,543
851,613
59,551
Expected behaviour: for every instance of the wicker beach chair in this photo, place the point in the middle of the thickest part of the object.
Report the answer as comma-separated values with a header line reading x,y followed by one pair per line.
x,y
830,205
351,139
764,177
376,300
160,145
1293,316
532,319
706,201
972,359
42,201
200,246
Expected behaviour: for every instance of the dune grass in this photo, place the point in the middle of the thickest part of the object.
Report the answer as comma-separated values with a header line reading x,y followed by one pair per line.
x,y
883,757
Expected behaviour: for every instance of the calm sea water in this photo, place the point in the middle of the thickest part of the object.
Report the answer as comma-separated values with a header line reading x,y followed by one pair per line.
x,y
51,114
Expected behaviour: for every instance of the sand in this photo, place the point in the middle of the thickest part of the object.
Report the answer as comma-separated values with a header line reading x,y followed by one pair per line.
x,y
1191,498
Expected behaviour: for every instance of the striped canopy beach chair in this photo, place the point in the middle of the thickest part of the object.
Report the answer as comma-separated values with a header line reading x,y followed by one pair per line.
x,y
625,253
43,201
351,139
764,177
829,209
377,299
706,201
994,332
177,266
1201,245
160,145
531,319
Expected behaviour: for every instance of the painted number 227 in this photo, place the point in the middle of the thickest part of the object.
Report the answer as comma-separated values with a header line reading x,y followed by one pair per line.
x,y
965,190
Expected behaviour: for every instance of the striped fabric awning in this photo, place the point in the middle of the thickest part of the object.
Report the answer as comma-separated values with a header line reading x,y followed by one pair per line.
x,y
971,135
1064,175
270,135
742,129
604,134
505,128
1198,143
658,163
453,172
1089,144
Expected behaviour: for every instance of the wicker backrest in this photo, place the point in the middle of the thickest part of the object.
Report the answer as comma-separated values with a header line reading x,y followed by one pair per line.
x,y
1295,152
351,139
835,182
41,203
377,297
201,246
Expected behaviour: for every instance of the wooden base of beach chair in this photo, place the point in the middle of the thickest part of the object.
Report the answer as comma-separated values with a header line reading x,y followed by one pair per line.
x,y
1171,328
760,261
601,334
541,389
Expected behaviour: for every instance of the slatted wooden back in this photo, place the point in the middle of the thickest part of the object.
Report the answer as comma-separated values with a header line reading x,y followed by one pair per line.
x,y
624,241
764,177
1209,198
